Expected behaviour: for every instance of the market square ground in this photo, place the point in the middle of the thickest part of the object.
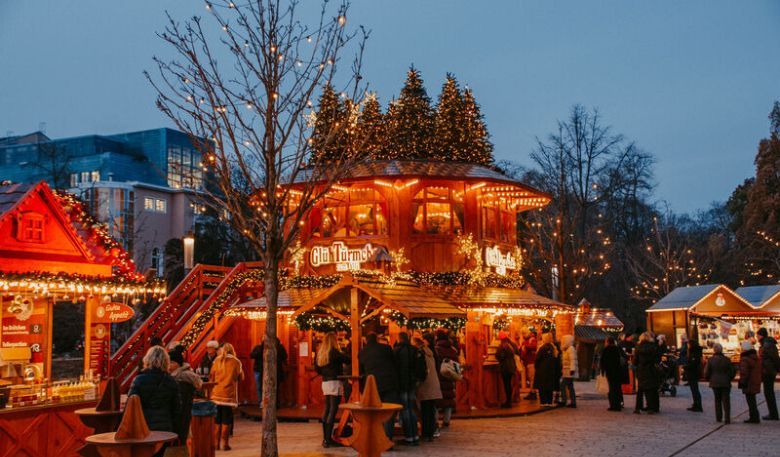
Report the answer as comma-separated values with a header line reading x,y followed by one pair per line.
x,y
589,430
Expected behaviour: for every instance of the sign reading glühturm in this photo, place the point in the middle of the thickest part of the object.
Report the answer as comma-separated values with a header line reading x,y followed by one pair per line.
x,y
343,257
500,261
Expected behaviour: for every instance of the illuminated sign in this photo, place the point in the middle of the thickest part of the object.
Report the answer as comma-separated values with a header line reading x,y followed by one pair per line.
x,y
112,313
500,261
339,254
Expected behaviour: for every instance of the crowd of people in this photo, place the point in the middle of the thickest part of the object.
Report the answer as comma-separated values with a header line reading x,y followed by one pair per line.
x,y
647,357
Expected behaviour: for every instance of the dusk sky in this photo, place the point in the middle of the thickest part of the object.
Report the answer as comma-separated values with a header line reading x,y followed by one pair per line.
x,y
691,82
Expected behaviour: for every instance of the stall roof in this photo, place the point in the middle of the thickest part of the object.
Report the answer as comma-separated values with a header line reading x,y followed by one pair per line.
x,y
759,296
288,299
410,299
689,297
590,333
598,317
421,169
471,296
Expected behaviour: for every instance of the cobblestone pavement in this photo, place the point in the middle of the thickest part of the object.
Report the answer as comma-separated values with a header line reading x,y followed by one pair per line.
x,y
589,430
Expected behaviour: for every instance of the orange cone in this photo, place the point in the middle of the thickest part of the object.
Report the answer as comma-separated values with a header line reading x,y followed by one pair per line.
x,y
370,397
133,425
109,401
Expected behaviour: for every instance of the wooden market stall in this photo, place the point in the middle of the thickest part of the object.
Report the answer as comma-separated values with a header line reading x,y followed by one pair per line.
x,y
403,245
592,326
712,313
51,252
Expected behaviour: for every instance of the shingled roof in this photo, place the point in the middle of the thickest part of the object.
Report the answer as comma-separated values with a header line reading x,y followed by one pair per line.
x,y
758,296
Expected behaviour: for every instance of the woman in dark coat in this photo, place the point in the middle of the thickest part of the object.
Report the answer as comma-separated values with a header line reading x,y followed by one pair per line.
x,y
720,372
611,368
159,393
647,374
445,350
750,379
330,365
546,370
505,354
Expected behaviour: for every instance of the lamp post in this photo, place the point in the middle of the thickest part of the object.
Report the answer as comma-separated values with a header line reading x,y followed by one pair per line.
x,y
189,251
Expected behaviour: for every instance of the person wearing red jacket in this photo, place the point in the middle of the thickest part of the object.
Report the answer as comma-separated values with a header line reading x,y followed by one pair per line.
x,y
750,379
528,355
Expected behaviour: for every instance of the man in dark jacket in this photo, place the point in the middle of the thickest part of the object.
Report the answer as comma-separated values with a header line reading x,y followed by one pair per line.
x,y
378,360
505,354
610,362
692,371
406,358
770,364
647,374
281,362
720,372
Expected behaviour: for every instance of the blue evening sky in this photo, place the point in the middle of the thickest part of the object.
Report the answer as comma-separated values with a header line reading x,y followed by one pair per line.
x,y
692,82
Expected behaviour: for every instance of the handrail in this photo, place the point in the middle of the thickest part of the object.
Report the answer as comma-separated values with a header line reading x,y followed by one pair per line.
x,y
178,307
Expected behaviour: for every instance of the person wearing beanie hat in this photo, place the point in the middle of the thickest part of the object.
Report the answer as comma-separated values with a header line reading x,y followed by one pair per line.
x,y
188,383
770,364
205,363
750,379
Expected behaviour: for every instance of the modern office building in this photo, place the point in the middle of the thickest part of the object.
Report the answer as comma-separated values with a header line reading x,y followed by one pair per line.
x,y
144,185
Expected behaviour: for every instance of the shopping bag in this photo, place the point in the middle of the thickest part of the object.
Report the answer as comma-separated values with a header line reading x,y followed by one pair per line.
x,y
602,386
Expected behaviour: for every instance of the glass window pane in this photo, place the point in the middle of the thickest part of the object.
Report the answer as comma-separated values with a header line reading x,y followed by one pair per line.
x,y
361,220
381,221
457,221
438,193
507,226
489,222
437,218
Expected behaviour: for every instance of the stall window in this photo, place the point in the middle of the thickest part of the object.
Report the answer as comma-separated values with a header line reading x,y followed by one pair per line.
x,y
351,212
437,211
499,222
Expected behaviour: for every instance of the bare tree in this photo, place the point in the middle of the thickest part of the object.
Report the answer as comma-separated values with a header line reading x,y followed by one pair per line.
x,y
54,161
245,98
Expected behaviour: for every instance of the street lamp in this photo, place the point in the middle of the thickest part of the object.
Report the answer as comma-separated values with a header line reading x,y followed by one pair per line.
x,y
189,251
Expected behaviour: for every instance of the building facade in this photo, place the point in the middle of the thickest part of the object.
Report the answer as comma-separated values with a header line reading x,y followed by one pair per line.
x,y
144,185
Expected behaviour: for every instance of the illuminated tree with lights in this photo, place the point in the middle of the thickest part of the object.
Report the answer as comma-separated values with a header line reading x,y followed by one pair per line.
x,y
758,216
371,129
410,121
328,135
476,140
568,245
244,79
449,123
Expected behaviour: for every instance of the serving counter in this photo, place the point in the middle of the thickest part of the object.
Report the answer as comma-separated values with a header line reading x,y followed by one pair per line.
x,y
43,430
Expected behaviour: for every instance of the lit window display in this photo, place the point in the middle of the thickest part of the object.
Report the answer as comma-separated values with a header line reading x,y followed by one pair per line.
x,y
437,211
353,212
498,222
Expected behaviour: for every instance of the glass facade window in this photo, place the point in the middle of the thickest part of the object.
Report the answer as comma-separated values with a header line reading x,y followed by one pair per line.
x,y
160,205
437,211
84,177
353,212
184,168
115,207
499,222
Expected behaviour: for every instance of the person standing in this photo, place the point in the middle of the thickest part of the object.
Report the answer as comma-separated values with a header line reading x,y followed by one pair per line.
x,y
159,393
611,368
377,359
445,350
407,359
546,370
281,363
226,372
528,354
505,354
330,365
770,364
648,376
719,371
429,390
189,383
750,378
693,370
569,368
204,369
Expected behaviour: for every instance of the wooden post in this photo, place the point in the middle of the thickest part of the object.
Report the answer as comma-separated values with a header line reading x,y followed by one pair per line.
x,y
354,318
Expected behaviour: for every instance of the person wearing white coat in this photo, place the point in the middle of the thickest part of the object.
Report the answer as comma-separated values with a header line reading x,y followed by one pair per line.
x,y
569,369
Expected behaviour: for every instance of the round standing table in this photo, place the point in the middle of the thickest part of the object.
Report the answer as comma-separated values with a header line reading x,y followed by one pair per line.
x,y
101,422
108,446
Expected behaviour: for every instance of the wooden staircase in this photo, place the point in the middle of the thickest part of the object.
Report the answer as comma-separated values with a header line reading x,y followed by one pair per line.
x,y
176,310
191,314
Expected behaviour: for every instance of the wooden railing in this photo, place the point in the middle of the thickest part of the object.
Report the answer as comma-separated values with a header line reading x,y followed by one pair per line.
x,y
176,310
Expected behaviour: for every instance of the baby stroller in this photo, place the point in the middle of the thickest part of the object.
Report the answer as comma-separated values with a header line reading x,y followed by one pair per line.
x,y
669,374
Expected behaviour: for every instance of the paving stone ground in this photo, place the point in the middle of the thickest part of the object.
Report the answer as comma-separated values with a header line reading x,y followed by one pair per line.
x,y
589,430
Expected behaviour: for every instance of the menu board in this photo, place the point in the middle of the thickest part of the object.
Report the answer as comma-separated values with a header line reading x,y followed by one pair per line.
x,y
99,351
24,324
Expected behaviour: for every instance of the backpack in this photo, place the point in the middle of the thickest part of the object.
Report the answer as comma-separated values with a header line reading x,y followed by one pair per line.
x,y
420,366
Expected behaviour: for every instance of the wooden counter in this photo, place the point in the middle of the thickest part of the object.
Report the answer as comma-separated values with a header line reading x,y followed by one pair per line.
x,y
43,430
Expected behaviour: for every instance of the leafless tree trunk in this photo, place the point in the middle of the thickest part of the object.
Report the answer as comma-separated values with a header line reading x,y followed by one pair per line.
x,y
245,97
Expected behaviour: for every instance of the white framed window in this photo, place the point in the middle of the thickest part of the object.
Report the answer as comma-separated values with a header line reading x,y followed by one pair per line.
x,y
74,179
94,176
160,205
148,204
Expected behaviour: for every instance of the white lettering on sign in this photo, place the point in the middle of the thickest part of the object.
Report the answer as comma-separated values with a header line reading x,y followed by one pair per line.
x,y
501,262
339,254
